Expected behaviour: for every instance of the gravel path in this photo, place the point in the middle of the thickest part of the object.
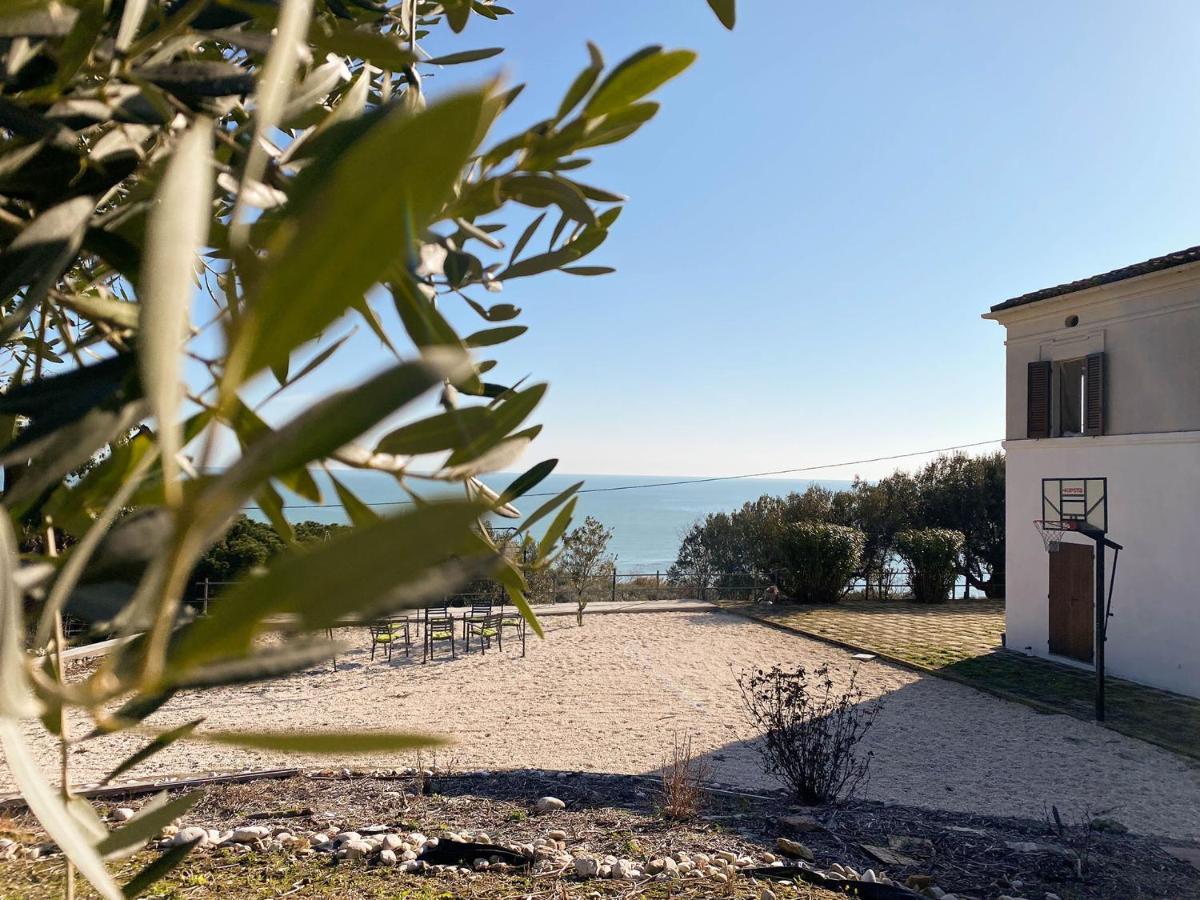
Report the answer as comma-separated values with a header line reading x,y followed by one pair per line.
x,y
609,696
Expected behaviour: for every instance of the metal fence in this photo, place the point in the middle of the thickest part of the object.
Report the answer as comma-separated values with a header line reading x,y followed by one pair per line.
x,y
628,587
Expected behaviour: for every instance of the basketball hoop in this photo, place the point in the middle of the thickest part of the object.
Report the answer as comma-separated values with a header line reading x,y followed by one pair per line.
x,y
1053,531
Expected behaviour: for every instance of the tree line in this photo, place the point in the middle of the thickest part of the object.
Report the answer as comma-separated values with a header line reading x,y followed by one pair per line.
x,y
866,528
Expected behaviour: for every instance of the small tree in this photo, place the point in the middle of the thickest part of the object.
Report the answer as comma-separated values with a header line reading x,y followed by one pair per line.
x,y
819,560
932,554
584,556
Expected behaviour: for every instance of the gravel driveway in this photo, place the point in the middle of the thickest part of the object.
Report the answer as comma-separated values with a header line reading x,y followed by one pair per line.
x,y
610,696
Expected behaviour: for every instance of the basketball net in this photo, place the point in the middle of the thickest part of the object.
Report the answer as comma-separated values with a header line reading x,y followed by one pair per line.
x,y
1052,532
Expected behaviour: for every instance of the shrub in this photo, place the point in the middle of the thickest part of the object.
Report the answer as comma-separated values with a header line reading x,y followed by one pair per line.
x,y
819,560
933,556
683,777
810,731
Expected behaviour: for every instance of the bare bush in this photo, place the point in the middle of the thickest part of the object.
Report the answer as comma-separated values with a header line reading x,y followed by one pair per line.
x,y
683,777
810,730
1078,833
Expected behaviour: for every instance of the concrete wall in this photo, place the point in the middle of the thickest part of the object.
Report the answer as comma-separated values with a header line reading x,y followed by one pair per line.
x,y
1149,330
1154,511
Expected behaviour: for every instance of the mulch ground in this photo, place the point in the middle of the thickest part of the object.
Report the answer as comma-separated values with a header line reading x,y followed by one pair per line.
x,y
970,856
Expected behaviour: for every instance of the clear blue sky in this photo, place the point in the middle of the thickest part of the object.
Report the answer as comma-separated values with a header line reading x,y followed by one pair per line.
x,y
823,208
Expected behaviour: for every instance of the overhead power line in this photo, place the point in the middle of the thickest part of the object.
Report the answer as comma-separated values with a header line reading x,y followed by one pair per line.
x,y
683,481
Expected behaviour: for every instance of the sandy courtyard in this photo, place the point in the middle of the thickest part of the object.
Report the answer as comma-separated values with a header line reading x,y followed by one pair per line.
x,y
609,696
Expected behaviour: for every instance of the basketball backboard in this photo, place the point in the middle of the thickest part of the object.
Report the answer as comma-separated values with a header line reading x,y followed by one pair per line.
x,y
1075,504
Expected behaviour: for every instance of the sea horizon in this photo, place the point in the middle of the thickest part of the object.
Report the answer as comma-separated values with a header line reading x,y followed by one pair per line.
x,y
648,518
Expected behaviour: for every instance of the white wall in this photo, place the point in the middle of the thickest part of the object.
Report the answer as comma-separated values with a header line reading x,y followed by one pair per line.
x,y
1154,511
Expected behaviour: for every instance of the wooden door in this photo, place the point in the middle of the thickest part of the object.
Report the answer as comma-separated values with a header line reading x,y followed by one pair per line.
x,y
1072,601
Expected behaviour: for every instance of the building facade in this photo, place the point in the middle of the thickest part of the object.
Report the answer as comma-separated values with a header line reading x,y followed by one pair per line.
x,y
1103,381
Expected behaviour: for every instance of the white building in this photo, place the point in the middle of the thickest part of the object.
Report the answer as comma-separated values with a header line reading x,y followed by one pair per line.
x,y
1103,381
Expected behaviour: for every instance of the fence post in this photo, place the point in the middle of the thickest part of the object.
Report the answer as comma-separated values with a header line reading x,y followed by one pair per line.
x,y
206,596
614,584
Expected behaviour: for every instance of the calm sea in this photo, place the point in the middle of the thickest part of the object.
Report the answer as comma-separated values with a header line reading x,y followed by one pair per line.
x,y
647,522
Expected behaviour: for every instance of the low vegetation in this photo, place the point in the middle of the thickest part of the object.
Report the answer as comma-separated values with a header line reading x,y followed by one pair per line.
x,y
819,560
809,730
932,556
952,852
684,777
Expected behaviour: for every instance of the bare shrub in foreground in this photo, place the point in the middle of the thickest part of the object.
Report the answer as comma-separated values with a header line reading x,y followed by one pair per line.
x,y
683,777
810,730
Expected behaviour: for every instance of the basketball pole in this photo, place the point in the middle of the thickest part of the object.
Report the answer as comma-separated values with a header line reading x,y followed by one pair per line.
x,y
1102,610
1100,625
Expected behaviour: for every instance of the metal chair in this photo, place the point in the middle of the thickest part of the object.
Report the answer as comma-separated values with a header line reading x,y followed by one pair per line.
x,y
513,620
387,631
439,628
480,609
486,629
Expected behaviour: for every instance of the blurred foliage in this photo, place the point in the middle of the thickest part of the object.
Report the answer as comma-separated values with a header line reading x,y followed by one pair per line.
x,y
197,200
958,492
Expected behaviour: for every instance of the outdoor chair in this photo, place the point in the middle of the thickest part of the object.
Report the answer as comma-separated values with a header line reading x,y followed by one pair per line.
x,y
513,620
486,629
387,632
480,609
439,628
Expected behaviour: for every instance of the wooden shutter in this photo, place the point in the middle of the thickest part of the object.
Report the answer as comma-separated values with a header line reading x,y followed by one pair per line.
x,y
1093,419
1039,399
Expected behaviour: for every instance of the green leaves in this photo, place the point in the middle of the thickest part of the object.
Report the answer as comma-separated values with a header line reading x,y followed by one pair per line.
x,y
529,480
510,413
150,820
348,233
52,813
176,230
311,585
440,432
356,43
324,428
582,84
646,71
156,869
161,742
542,191
15,699
724,10
466,56
341,181
39,254
489,337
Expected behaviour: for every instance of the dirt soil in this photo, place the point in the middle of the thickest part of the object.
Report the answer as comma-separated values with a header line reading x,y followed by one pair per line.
x,y
968,855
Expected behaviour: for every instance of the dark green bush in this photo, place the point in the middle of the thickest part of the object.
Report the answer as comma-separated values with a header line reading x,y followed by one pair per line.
x,y
933,555
819,560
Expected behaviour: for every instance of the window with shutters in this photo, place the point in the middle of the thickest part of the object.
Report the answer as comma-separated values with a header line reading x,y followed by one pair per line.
x,y
1069,393
1066,397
